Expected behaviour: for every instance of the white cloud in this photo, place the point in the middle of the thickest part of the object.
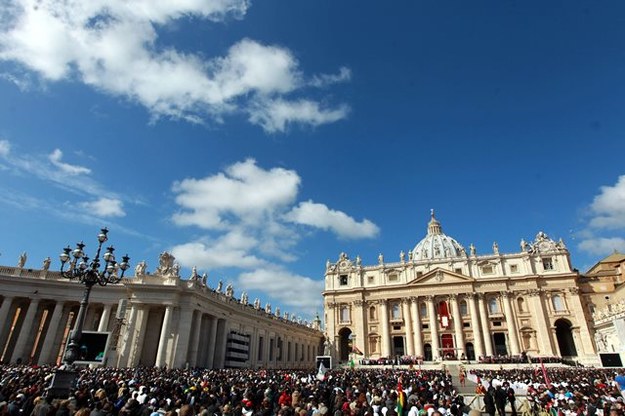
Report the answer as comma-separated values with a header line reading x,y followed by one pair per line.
x,y
113,47
56,156
245,191
602,246
230,250
249,217
5,148
320,216
323,80
276,115
105,207
609,206
607,214
292,290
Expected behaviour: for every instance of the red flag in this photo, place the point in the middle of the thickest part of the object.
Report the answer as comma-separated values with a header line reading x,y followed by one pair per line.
x,y
545,376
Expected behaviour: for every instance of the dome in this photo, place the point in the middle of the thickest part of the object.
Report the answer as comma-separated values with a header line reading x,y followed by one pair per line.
x,y
437,245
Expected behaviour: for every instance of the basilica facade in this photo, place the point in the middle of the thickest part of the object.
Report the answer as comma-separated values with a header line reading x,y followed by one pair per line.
x,y
441,301
153,319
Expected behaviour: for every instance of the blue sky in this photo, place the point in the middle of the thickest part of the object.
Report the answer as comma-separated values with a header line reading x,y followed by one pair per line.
x,y
255,140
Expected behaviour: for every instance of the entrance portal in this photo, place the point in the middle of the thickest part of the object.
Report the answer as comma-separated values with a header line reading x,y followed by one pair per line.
x,y
427,352
470,351
344,344
565,338
499,339
447,343
398,345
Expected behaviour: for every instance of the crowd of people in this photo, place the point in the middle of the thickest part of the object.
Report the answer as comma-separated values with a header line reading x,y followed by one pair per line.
x,y
178,392
148,391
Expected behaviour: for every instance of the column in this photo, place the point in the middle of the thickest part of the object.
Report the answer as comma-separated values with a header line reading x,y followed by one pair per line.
x,y
5,322
405,303
184,335
195,339
488,340
45,357
511,323
475,325
104,319
212,342
254,347
541,323
433,328
26,332
416,322
138,338
161,355
459,331
360,313
386,335
122,359
220,347
330,322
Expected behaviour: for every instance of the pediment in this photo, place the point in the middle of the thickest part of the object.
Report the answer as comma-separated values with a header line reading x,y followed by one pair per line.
x,y
440,276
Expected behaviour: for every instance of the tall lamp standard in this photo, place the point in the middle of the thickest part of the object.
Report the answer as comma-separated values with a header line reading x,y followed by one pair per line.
x,y
89,274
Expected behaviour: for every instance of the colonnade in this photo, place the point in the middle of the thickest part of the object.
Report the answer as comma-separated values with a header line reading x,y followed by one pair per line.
x,y
174,326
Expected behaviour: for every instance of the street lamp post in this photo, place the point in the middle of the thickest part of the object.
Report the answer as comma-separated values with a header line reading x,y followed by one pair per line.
x,y
89,274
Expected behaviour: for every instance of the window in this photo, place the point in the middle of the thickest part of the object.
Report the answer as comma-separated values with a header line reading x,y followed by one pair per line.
x,y
458,271
464,311
344,313
493,306
497,323
423,310
487,269
425,326
343,279
419,274
558,303
466,325
371,278
547,263
392,277
372,313
396,311
514,268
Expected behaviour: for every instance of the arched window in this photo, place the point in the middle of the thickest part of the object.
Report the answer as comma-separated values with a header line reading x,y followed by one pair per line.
x,y
558,303
372,314
464,310
396,311
493,305
423,310
521,304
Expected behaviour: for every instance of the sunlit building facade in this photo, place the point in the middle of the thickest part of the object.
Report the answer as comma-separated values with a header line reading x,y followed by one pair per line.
x,y
154,319
441,301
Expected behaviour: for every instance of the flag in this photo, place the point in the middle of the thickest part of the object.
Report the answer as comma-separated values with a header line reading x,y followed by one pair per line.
x,y
400,398
321,374
356,351
545,376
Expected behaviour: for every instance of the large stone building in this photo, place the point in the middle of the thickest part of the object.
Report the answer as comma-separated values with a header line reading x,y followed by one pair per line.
x,y
439,300
604,293
155,319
